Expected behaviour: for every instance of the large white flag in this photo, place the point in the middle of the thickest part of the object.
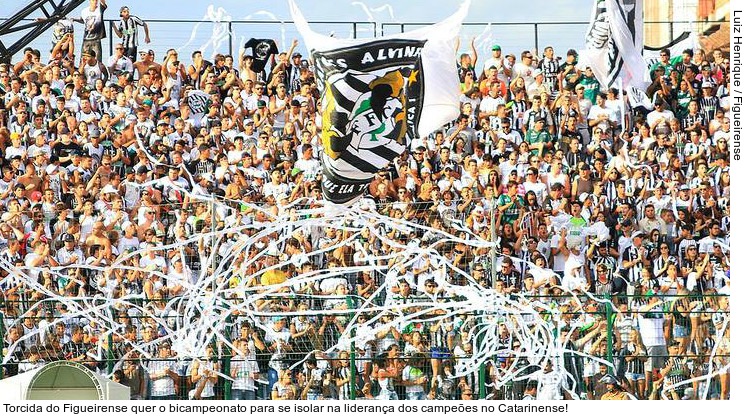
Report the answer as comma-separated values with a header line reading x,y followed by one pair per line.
x,y
614,43
377,95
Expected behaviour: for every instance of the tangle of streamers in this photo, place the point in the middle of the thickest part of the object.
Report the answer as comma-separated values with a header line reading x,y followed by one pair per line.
x,y
220,20
197,318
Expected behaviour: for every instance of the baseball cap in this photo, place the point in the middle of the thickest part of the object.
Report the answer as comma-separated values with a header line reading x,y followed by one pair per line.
x,y
707,85
496,48
295,171
637,234
296,54
68,237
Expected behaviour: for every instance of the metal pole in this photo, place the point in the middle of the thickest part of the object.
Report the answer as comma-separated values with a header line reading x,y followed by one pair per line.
x,y
111,40
214,235
610,317
493,239
536,38
481,371
352,366
110,351
226,366
230,37
2,340
671,32
354,29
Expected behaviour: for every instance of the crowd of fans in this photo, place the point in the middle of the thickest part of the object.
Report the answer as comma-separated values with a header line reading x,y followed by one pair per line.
x,y
105,159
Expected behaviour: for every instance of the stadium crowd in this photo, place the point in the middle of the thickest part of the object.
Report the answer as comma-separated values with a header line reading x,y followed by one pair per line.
x,y
97,154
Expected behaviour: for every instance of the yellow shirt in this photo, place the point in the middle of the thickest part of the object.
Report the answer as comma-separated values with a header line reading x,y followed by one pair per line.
x,y
272,277
617,396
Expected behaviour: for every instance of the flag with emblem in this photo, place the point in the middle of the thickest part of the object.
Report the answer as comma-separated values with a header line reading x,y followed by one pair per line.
x,y
377,95
198,102
614,42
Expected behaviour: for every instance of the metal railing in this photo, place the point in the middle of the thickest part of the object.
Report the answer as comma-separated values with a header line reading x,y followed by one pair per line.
x,y
224,35
484,385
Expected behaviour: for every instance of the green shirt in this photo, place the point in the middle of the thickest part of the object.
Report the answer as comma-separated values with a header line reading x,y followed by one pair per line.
x,y
512,212
591,87
535,137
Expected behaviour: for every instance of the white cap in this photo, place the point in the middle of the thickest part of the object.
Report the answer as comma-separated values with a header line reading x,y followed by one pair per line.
x,y
635,234
51,168
108,189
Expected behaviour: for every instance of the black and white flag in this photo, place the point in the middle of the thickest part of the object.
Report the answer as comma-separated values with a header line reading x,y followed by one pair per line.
x,y
377,95
614,43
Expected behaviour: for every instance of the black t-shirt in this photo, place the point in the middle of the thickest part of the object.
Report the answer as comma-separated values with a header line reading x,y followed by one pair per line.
x,y
65,150
261,50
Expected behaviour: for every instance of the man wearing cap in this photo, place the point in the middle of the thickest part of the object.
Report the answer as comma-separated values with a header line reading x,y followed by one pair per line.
x,y
293,71
496,60
709,102
660,119
568,73
539,85
615,391
126,29
69,254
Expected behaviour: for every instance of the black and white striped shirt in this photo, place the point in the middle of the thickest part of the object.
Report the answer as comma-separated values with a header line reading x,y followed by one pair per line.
x,y
518,107
550,69
128,29
635,364
709,106
632,274
344,391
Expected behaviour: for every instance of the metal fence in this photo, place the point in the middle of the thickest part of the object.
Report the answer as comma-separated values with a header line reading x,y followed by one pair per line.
x,y
221,34
117,352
